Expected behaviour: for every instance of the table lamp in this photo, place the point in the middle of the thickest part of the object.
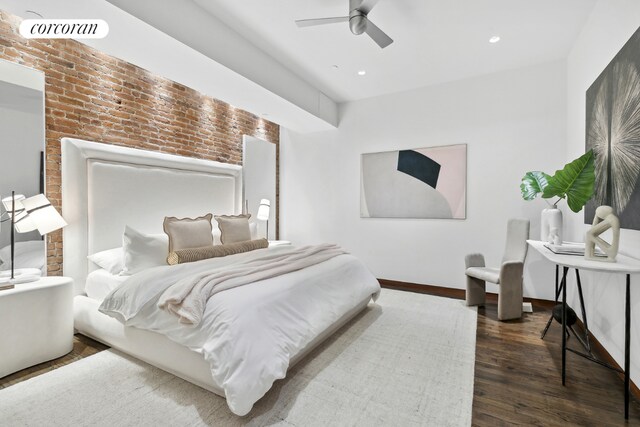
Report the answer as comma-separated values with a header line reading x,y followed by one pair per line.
x,y
34,213
263,213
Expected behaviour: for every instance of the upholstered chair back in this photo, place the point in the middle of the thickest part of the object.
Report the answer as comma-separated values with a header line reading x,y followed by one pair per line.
x,y
517,235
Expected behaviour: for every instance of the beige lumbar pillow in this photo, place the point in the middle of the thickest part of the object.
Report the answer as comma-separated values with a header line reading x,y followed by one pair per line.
x,y
188,233
234,228
191,255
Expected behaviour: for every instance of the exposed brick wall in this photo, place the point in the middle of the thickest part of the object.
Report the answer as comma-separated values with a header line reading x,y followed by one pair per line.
x,y
94,96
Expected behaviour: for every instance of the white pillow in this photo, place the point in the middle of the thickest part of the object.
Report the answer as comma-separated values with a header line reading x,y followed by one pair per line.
x,y
111,260
142,251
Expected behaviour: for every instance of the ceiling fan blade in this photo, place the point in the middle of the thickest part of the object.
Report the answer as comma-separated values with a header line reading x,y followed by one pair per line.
x,y
366,6
378,35
321,21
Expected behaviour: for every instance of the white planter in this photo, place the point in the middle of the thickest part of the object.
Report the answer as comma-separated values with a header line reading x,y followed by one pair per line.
x,y
551,225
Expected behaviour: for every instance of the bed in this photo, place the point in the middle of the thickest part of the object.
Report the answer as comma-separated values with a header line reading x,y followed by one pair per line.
x,y
29,254
106,187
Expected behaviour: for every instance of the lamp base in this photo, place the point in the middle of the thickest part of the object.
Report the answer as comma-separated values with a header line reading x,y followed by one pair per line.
x,y
20,275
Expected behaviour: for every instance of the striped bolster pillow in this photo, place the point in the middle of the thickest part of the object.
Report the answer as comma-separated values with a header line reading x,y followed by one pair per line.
x,y
182,256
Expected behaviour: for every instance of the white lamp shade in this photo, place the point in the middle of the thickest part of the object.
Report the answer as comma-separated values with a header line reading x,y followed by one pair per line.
x,y
263,210
23,222
6,202
44,216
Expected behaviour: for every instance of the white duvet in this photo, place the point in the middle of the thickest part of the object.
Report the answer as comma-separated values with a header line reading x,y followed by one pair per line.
x,y
248,334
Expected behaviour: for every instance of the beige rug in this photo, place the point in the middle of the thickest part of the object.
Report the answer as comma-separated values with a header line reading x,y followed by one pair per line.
x,y
407,360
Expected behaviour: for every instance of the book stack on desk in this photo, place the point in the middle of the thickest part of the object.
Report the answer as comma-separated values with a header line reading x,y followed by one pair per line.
x,y
571,248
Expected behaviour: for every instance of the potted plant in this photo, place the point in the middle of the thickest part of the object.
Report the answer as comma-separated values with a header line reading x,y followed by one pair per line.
x,y
574,183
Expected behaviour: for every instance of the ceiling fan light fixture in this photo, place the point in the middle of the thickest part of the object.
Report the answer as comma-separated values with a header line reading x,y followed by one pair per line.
x,y
357,22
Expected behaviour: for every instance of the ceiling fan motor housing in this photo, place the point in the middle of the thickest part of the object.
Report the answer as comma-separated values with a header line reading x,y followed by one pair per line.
x,y
357,22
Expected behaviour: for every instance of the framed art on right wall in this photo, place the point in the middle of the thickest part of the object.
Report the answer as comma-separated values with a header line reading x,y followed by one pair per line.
x,y
613,132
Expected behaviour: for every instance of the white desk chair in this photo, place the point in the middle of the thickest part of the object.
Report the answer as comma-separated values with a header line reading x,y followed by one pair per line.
x,y
508,276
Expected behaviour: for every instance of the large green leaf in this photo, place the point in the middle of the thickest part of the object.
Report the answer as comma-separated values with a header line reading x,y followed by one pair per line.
x,y
533,183
575,182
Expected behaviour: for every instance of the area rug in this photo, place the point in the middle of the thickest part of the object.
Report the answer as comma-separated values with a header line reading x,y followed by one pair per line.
x,y
406,360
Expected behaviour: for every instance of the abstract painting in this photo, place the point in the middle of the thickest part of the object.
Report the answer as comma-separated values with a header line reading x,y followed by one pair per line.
x,y
419,183
613,132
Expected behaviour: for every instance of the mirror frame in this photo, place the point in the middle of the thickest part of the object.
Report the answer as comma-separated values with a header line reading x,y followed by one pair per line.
x,y
25,76
247,141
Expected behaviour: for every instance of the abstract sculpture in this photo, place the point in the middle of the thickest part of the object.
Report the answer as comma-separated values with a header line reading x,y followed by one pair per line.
x,y
603,220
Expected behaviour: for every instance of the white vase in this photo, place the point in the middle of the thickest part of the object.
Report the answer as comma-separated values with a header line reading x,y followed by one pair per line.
x,y
551,220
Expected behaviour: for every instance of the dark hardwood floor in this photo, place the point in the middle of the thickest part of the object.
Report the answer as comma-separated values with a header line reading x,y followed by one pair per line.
x,y
518,378
517,375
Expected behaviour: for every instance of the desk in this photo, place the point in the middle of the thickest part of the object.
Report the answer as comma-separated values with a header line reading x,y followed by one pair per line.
x,y
624,265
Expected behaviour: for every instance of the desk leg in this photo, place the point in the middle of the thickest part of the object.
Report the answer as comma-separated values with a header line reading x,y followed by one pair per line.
x,y
564,323
557,295
587,343
627,335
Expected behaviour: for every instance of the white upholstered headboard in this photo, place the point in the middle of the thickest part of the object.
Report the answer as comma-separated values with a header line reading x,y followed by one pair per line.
x,y
105,187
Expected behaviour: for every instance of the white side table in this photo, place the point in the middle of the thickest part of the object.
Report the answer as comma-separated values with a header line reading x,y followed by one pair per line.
x,y
36,323
279,243
623,265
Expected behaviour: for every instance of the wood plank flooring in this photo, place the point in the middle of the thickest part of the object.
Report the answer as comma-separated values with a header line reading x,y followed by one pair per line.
x,y
517,376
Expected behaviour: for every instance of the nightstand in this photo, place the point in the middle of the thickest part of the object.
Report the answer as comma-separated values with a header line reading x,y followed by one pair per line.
x,y
273,243
36,323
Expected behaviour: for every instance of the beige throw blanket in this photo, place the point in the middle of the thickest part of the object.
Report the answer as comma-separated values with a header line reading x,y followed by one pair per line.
x,y
188,297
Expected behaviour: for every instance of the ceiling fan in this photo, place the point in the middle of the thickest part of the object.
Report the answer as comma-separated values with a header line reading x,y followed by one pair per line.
x,y
358,22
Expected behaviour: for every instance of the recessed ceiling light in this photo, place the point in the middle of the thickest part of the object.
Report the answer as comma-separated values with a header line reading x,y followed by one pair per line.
x,y
362,72
494,39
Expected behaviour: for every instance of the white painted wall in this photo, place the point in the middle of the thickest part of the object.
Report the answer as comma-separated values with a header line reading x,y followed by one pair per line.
x,y
513,122
611,24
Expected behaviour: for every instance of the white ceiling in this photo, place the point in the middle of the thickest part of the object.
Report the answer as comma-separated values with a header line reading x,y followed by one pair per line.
x,y
251,54
435,40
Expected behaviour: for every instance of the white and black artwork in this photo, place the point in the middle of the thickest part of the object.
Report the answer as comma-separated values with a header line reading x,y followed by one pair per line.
x,y
419,183
613,132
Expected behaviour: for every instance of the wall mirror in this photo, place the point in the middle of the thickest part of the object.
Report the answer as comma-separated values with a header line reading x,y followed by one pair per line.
x,y
259,182
22,142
